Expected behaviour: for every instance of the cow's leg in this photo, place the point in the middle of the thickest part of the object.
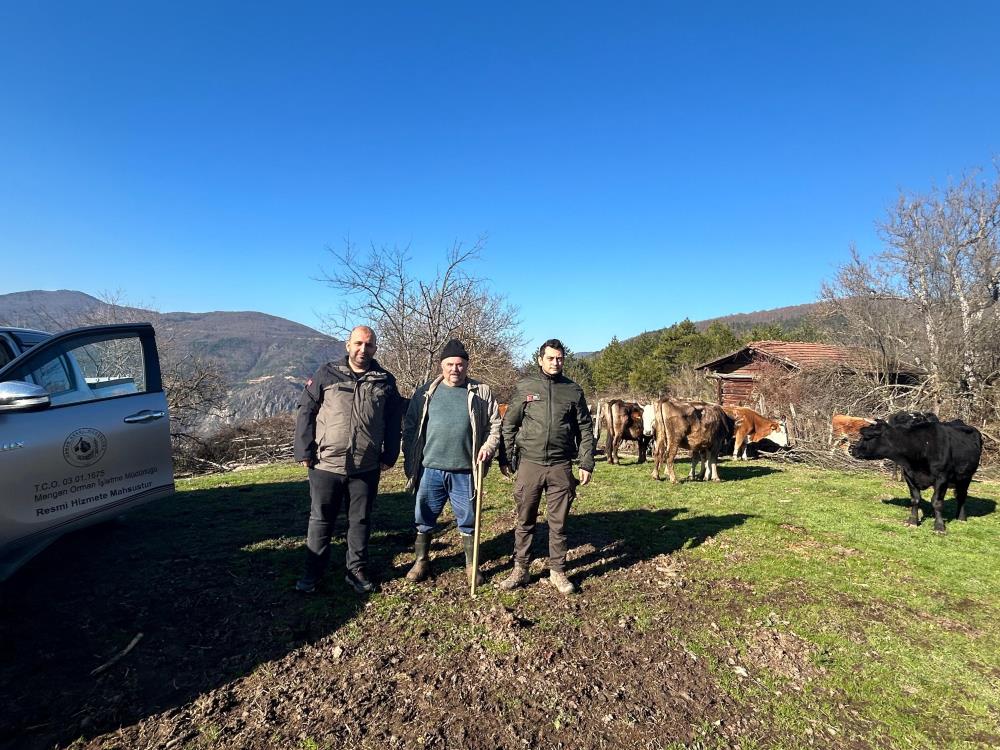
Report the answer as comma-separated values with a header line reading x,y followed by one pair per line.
x,y
914,519
713,459
937,502
658,451
961,492
698,458
643,443
671,455
613,443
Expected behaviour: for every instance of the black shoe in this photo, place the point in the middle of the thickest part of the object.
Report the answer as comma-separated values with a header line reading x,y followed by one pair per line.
x,y
358,581
305,587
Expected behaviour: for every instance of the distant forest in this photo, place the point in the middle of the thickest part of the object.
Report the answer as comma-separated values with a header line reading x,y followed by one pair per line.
x,y
657,362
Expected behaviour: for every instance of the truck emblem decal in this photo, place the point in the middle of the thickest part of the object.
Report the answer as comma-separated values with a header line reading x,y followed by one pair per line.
x,y
84,447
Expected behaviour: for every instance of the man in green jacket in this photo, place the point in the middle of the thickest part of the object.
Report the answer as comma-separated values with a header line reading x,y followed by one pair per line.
x,y
547,425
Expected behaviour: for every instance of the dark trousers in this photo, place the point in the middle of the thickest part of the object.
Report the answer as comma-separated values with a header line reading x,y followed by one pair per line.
x,y
559,486
329,492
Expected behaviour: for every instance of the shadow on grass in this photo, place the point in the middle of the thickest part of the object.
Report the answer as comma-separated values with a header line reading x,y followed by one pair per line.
x,y
618,539
206,577
623,538
974,506
737,470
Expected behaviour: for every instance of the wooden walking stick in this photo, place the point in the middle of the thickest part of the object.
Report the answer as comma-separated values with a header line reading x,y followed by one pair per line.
x,y
479,466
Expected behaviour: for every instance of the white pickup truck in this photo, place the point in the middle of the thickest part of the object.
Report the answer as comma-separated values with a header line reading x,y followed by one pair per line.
x,y
84,432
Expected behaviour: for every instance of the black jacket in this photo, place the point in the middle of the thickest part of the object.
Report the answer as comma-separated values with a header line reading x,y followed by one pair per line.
x,y
349,423
548,422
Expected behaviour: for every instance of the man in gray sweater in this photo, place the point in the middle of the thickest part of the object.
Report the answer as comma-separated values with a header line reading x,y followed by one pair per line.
x,y
453,423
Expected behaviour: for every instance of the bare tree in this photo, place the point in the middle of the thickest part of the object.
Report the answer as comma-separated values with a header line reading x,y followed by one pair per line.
x,y
930,296
414,317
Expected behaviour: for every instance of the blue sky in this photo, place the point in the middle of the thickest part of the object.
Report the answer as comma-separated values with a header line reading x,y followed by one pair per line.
x,y
632,163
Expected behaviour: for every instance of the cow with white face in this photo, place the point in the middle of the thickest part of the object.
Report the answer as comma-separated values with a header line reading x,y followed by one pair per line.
x,y
649,421
751,427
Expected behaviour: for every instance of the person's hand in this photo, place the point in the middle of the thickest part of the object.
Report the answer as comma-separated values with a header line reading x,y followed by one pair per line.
x,y
307,464
485,454
386,467
585,476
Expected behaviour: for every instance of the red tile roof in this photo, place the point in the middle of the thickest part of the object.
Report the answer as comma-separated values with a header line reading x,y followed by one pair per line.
x,y
805,355
801,354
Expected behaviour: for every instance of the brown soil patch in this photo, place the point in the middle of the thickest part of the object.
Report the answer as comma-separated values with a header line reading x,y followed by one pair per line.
x,y
783,654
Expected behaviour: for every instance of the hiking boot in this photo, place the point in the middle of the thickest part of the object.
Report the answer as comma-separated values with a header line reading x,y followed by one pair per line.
x,y
422,564
468,542
304,586
358,580
562,584
518,577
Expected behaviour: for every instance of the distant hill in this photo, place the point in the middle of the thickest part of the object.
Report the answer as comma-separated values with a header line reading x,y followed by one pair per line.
x,y
264,359
788,317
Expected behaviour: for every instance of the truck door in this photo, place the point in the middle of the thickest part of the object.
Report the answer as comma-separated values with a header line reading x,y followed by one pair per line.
x,y
100,444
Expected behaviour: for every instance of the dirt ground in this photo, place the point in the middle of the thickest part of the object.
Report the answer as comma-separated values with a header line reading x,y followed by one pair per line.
x,y
229,656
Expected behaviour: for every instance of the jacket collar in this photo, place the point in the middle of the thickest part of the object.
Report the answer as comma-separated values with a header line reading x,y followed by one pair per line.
x,y
470,384
560,378
374,369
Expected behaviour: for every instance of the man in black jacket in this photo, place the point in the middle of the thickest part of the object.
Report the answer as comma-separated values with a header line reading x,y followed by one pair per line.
x,y
547,425
347,430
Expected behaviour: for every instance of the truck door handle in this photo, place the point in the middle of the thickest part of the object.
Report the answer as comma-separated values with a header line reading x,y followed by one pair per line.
x,y
144,416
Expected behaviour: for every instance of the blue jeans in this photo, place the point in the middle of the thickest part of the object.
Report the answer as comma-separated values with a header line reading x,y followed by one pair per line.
x,y
436,487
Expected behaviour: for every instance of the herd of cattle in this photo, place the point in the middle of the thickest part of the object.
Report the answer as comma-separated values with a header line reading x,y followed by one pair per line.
x,y
669,424
931,453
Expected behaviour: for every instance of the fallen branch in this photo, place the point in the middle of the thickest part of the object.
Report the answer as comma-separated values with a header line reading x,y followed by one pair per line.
x,y
114,659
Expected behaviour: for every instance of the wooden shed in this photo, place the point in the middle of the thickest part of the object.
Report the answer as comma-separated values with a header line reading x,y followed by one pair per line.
x,y
734,373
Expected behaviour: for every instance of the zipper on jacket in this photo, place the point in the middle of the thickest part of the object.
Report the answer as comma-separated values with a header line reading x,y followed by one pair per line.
x,y
548,426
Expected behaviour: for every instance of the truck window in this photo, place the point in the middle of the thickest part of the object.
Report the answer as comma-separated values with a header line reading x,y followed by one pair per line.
x,y
90,369
54,376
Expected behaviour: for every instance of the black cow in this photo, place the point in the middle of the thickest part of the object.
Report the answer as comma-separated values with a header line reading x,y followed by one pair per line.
x,y
930,453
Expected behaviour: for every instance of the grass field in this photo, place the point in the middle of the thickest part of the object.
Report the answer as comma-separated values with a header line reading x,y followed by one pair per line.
x,y
783,607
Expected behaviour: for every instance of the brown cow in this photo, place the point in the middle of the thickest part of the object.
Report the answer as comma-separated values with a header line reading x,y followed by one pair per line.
x,y
622,420
845,430
699,426
751,427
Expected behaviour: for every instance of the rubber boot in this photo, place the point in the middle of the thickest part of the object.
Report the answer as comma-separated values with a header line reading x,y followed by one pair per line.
x,y
518,577
467,544
421,564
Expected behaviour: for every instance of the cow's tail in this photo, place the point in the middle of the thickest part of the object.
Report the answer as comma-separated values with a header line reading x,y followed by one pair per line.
x,y
600,421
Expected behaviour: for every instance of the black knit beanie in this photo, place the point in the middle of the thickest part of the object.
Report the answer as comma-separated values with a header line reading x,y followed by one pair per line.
x,y
454,348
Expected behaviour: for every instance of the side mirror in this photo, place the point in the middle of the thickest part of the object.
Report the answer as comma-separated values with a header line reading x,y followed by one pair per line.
x,y
16,395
